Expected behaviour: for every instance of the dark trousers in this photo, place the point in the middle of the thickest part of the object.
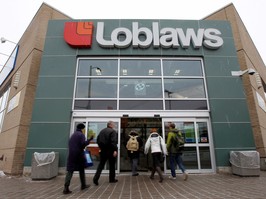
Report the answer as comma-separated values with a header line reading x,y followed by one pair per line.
x,y
104,156
81,177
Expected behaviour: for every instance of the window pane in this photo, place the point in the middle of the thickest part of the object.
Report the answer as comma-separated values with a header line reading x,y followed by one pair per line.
x,y
186,105
96,88
184,88
97,67
140,88
140,105
140,68
190,158
182,68
188,130
202,132
205,158
95,105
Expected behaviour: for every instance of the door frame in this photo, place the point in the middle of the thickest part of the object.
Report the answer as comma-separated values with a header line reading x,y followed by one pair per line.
x,y
95,119
197,145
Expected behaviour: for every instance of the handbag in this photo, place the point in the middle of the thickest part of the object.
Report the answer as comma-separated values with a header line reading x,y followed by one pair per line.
x,y
88,159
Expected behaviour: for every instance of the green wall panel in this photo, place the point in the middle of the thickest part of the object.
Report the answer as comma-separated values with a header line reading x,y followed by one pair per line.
x,y
220,66
229,110
233,135
56,66
52,110
227,87
59,87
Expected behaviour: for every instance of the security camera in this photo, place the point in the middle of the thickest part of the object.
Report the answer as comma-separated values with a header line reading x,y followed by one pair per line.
x,y
251,71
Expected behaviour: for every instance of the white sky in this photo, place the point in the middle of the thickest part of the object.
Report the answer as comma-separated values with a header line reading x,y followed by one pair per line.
x,y
15,15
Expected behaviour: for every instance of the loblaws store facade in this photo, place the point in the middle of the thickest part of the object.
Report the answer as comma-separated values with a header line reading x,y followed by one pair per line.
x,y
141,74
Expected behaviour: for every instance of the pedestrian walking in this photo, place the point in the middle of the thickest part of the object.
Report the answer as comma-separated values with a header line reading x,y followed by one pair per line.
x,y
76,158
157,145
134,143
175,147
107,142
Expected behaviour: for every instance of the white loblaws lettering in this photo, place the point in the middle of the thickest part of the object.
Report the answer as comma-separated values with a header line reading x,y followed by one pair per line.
x,y
190,35
166,37
212,38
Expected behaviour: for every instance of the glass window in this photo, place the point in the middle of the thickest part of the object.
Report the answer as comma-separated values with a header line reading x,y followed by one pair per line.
x,y
182,68
140,105
205,158
95,105
3,105
140,88
96,88
140,67
202,132
184,88
97,67
186,105
190,158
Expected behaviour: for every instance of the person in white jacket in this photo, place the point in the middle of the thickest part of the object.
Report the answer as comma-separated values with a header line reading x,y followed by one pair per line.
x,y
157,145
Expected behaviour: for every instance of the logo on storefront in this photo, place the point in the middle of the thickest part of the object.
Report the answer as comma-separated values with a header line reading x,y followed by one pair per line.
x,y
78,34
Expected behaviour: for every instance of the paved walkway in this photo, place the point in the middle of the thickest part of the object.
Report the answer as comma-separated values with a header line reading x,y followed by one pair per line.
x,y
210,186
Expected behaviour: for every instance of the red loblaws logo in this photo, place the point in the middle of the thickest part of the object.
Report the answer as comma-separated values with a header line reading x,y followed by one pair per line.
x,y
78,34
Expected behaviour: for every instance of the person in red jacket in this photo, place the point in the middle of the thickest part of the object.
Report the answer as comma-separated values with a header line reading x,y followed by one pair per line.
x,y
76,159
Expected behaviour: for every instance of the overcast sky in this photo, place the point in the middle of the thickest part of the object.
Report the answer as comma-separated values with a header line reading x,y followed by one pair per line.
x,y
16,15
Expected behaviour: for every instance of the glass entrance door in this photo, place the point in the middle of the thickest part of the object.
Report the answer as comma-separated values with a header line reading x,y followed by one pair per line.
x,y
93,127
198,154
142,126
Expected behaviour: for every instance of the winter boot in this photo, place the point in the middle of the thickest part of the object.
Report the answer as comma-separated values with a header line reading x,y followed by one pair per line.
x,y
66,190
158,169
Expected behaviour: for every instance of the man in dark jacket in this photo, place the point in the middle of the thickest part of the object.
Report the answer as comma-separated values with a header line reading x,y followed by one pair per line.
x,y
76,159
107,142
134,155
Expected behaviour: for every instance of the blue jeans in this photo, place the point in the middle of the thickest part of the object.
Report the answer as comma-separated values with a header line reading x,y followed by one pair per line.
x,y
176,158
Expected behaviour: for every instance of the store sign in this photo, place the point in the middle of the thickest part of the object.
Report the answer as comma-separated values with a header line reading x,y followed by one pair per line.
x,y
165,37
79,34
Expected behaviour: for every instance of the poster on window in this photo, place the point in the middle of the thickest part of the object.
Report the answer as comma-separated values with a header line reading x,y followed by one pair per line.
x,y
140,88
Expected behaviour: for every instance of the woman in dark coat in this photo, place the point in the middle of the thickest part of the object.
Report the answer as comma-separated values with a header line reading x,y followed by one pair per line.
x,y
76,159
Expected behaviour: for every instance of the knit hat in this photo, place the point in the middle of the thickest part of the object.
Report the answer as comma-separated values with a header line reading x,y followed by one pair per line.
x,y
80,126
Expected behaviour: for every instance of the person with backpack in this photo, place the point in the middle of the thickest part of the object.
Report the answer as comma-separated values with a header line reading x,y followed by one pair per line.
x,y
134,143
157,145
175,146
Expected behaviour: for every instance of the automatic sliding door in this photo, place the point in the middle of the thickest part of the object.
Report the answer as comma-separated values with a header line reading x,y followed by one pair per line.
x,y
93,127
198,156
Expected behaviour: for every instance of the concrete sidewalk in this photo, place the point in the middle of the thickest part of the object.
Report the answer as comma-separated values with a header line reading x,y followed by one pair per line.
x,y
210,186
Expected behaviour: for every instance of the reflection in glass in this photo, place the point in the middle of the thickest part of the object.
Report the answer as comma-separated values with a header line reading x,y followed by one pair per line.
x,y
184,88
182,68
205,158
95,105
140,67
140,105
87,67
94,128
100,88
140,88
186,105
202,132
189,158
